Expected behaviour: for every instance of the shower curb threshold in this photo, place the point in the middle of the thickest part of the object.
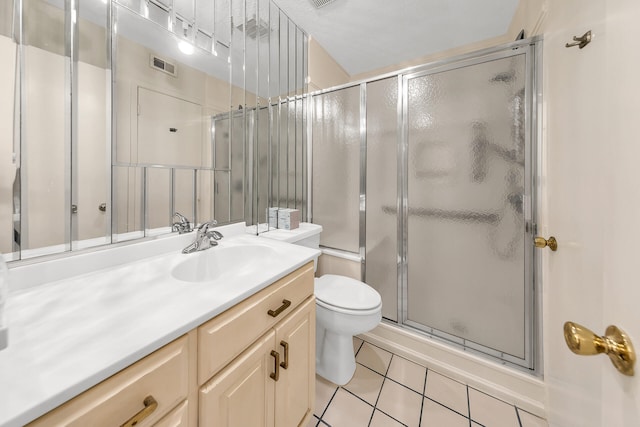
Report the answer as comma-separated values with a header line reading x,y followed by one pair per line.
x,y
518,388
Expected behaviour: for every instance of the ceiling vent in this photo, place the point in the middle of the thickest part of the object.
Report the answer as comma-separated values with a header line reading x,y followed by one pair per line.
x,y
255,28
320,3
162,65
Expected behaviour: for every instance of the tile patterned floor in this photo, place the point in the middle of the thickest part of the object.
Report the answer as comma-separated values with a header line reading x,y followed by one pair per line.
x,y
389,391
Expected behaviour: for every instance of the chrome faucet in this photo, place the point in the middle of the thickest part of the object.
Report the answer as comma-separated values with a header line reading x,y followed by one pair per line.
x,y
205,238
182,225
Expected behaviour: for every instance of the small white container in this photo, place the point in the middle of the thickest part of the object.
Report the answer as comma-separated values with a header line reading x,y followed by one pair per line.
x,y
272,217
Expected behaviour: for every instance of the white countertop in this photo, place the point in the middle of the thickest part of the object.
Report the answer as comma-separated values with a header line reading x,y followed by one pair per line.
x,y
68,335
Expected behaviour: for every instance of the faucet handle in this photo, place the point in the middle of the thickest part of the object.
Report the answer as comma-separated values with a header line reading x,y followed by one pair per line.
x,y
204,227
183,225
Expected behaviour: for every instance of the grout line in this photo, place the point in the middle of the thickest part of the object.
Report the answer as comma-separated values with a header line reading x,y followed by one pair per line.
x,y
468,405
402,385
445,406
393,418
518,416
424,391
328,403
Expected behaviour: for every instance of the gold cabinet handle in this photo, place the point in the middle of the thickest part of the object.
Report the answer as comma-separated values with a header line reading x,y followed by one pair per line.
x,y
150,405
541,242
275,375
285,364
614,342
285,304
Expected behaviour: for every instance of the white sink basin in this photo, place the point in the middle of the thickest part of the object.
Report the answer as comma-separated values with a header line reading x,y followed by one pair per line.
x,y
219,262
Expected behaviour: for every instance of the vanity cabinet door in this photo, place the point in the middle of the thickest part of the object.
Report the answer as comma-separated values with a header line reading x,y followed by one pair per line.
x,y
242,394
295,389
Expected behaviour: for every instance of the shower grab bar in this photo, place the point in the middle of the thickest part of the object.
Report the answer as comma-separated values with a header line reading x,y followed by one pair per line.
x,y
484,217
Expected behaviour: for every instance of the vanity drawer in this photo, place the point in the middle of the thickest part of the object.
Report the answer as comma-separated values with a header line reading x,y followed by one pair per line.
x,y
163,375
226,336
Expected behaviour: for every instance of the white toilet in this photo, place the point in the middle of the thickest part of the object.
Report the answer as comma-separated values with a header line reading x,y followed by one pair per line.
x,y
344,307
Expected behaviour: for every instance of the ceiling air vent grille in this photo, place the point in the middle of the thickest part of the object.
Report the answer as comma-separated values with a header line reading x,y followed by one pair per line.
x,y
320,3
162,65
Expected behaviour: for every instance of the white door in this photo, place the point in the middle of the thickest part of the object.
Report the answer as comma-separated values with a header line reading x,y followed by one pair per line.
x,y
591,182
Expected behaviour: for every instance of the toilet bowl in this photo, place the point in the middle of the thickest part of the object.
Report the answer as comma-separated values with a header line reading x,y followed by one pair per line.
x,y
344,307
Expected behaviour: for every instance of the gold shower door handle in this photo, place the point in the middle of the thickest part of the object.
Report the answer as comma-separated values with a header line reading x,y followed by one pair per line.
x,y
614,342
541,242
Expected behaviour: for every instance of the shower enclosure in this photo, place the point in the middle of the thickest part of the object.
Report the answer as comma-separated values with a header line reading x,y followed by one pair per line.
x,y
429,175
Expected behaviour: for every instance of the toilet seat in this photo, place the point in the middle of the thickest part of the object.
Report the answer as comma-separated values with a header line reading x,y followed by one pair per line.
x,y
346,295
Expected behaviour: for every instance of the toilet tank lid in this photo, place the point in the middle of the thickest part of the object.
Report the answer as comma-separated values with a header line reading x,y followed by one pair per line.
x,y
345,292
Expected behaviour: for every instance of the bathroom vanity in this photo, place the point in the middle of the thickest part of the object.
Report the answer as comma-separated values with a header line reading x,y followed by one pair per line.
x,y
132,343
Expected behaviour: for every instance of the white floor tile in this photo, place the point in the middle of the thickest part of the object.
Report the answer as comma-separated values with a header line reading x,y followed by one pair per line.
x,y
357,342
348,411
401,403
490,411
435,415
374,358
324,392
450,393
365,384
382,420
407,373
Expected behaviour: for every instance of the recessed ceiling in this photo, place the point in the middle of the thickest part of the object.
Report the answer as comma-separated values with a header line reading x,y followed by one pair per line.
x,y
365,35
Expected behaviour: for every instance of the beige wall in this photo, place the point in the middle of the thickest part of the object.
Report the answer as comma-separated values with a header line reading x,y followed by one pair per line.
x,y
324,71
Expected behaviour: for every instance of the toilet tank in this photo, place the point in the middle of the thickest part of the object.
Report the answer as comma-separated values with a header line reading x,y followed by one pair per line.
x,y
306,234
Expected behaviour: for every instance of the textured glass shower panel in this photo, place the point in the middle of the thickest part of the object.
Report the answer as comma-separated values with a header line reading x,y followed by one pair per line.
x,y
236,192
291,155
205,193
382,192
466,180
221,207
283,155
336,171
262,165
299,158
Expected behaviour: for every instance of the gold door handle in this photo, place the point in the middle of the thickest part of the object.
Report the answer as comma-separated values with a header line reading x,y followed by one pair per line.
x,y
615,343
150,405
275,375
285,304
285,364
541,242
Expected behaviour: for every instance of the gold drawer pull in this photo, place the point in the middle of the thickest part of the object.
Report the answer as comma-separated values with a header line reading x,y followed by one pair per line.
x,y
285,304
276,366
285,364
150,405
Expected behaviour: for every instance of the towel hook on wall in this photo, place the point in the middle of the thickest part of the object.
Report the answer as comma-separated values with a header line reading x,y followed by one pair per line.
x,y
580,41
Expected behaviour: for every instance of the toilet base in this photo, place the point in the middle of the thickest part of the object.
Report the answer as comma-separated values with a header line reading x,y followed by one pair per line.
x,y
335,360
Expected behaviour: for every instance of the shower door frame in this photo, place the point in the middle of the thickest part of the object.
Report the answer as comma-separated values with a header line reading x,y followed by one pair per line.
x,y
532,49
532,106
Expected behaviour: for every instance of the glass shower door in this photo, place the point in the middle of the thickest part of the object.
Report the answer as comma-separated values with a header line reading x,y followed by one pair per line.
x,y
468,205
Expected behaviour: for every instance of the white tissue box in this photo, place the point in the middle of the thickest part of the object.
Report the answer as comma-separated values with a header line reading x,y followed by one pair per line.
x,y
288,219
272,217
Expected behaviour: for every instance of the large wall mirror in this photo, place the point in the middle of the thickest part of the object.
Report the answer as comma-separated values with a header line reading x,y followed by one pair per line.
x,y
116,114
